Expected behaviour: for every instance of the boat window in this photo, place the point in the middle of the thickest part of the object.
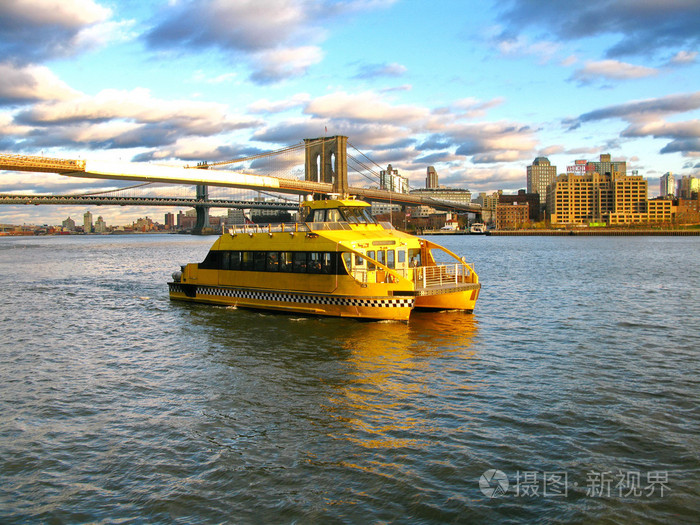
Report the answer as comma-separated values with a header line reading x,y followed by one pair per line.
x,y
402,256
272,262
391,258
286,261
333,215
370,254
246,260
223,263
299,263
314,263
414,257
211,261
357,215
347,259
234,262
259,261
381,257
327,263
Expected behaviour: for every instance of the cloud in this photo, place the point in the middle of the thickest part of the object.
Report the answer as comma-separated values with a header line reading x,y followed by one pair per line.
x,y
279,64
371,71
683,58
268,107
364,107
611,70
641,109
643,27
278,38
35,30
645,118
122,119
27,84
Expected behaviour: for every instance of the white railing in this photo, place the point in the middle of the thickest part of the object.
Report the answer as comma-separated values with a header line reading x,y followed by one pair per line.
x,y
443,274
423,276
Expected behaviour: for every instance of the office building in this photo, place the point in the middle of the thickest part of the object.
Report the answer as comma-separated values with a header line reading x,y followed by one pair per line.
x,y
667,185
539,176
687,186
390,180
87,222
531,199
431,179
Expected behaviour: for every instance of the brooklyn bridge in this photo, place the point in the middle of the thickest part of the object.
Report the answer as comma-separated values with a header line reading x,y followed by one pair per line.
x,y
315,167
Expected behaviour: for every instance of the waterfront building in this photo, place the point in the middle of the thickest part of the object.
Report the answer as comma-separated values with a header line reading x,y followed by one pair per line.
x,y
660,209
100,226
531,199
687,186
458,195
606,165
383,208
540,174
389,179
169,221
235,216
667,185
87,222
431,179
612,198
511,215
68,225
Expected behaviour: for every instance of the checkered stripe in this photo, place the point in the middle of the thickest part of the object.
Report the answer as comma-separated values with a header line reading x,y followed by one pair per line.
x,y
404,302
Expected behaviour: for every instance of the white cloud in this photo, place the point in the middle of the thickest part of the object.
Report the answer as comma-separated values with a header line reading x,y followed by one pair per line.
x,y
366,106
32,83
611,70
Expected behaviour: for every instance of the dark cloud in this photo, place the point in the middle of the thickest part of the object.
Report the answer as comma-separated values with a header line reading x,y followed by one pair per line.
x,y
682,146
443,156
637,109
643,27
31,33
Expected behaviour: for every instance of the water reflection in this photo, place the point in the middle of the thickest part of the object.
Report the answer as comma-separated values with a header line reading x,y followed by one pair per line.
x,y
398,381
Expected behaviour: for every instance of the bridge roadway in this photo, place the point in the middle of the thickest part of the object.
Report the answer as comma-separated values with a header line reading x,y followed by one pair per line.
x,y
195,175
143,201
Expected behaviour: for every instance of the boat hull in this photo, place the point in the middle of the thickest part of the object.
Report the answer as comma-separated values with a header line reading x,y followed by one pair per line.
x,y
462,297
361,307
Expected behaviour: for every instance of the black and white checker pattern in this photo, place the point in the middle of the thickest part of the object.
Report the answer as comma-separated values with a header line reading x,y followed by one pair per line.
x,y
259,295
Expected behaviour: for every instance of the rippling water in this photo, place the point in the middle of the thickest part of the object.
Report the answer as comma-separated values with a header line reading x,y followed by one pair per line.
x,y
117,405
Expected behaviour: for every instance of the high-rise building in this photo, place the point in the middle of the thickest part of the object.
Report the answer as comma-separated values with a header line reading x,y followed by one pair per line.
x,y
100,226
596,198
69,225
607,165
540,175
169,221
431,179
687,186
389,179
87,222
667,185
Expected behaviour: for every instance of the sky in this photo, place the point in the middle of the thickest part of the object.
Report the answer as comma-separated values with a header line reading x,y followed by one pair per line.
x,y
478,89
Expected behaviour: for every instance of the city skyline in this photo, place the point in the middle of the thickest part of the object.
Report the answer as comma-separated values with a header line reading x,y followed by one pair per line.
x,y
478,91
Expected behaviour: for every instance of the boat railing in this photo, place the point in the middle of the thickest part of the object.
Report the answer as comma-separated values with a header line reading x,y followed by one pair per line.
x,y
441,275
295,227
423,276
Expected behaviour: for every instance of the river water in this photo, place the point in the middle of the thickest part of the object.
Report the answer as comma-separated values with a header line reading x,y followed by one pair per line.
x,y
569,396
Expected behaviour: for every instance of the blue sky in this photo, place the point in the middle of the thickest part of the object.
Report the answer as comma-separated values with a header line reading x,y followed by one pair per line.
x,y
477,89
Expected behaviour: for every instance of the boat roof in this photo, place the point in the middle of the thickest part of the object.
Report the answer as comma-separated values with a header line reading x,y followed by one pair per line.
x,y
333,203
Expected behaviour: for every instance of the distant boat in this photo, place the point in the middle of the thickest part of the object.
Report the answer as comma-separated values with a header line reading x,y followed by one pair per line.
x,y
477,228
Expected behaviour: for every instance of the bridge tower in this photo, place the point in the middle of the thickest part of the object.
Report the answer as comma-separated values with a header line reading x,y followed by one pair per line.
x,y
327,161
202,211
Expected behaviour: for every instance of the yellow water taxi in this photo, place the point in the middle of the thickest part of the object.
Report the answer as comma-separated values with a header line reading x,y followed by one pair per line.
x,y
338,262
